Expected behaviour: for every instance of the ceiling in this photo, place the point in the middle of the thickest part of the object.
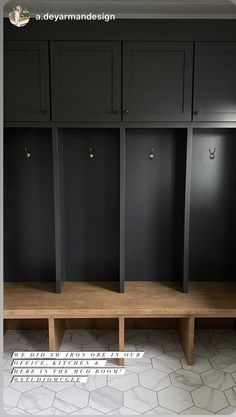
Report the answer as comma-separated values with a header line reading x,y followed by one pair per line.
x,y
198,9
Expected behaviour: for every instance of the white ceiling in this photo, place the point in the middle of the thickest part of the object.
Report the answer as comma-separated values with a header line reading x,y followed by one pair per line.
x,y
134,8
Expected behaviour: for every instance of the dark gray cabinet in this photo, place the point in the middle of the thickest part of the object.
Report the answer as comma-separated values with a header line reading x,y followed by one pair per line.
x,y
215,82
157,81
85,81
26,81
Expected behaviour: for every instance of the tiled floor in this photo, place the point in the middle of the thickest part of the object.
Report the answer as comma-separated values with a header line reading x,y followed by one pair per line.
x,y
160,383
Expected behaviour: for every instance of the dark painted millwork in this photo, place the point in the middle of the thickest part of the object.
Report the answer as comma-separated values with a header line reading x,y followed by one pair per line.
x,y
122,210
26,81
215,82
91,184
154,204
157,83
186,167
126,30
59,217
86,81
119,183
213,205
29,250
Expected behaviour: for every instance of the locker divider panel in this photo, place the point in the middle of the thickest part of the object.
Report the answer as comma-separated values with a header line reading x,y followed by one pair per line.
x,y
91,190
122,211
213,205
59,217
29,249
155,204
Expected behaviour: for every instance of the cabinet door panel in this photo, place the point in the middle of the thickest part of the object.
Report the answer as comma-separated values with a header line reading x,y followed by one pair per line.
x,y
157,81
26,81
215,82
85,81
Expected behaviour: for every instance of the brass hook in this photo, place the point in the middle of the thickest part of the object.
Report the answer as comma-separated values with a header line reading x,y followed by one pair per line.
x,y
212,154
27,153
151,155
91,154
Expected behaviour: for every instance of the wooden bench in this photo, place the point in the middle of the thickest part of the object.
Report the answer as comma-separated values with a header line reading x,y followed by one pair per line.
x,y
142,300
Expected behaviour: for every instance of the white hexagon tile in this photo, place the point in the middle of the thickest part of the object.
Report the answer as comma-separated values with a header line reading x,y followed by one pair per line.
x,y
140,399
175,399
106,399
160,383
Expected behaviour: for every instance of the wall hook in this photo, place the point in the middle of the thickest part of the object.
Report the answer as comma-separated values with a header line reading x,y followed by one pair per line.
x,y
151,155
91,154
212,154
27,153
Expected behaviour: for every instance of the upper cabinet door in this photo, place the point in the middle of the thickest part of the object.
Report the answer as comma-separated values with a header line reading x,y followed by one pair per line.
x,y
85,81
215,82
157,81
26,81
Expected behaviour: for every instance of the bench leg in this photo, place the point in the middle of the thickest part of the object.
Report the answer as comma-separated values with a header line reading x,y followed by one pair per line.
x,y
56,329
121,339
186,334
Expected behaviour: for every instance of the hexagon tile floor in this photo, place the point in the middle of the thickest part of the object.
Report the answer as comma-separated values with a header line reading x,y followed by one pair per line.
x,y
160,383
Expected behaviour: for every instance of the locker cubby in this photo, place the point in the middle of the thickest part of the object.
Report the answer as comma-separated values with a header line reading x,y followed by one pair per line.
x,y
91,203
29,248
213,205
155,199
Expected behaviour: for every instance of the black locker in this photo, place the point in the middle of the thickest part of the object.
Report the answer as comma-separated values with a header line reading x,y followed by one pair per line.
x,y
154,204
213,205
91,203
29,252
